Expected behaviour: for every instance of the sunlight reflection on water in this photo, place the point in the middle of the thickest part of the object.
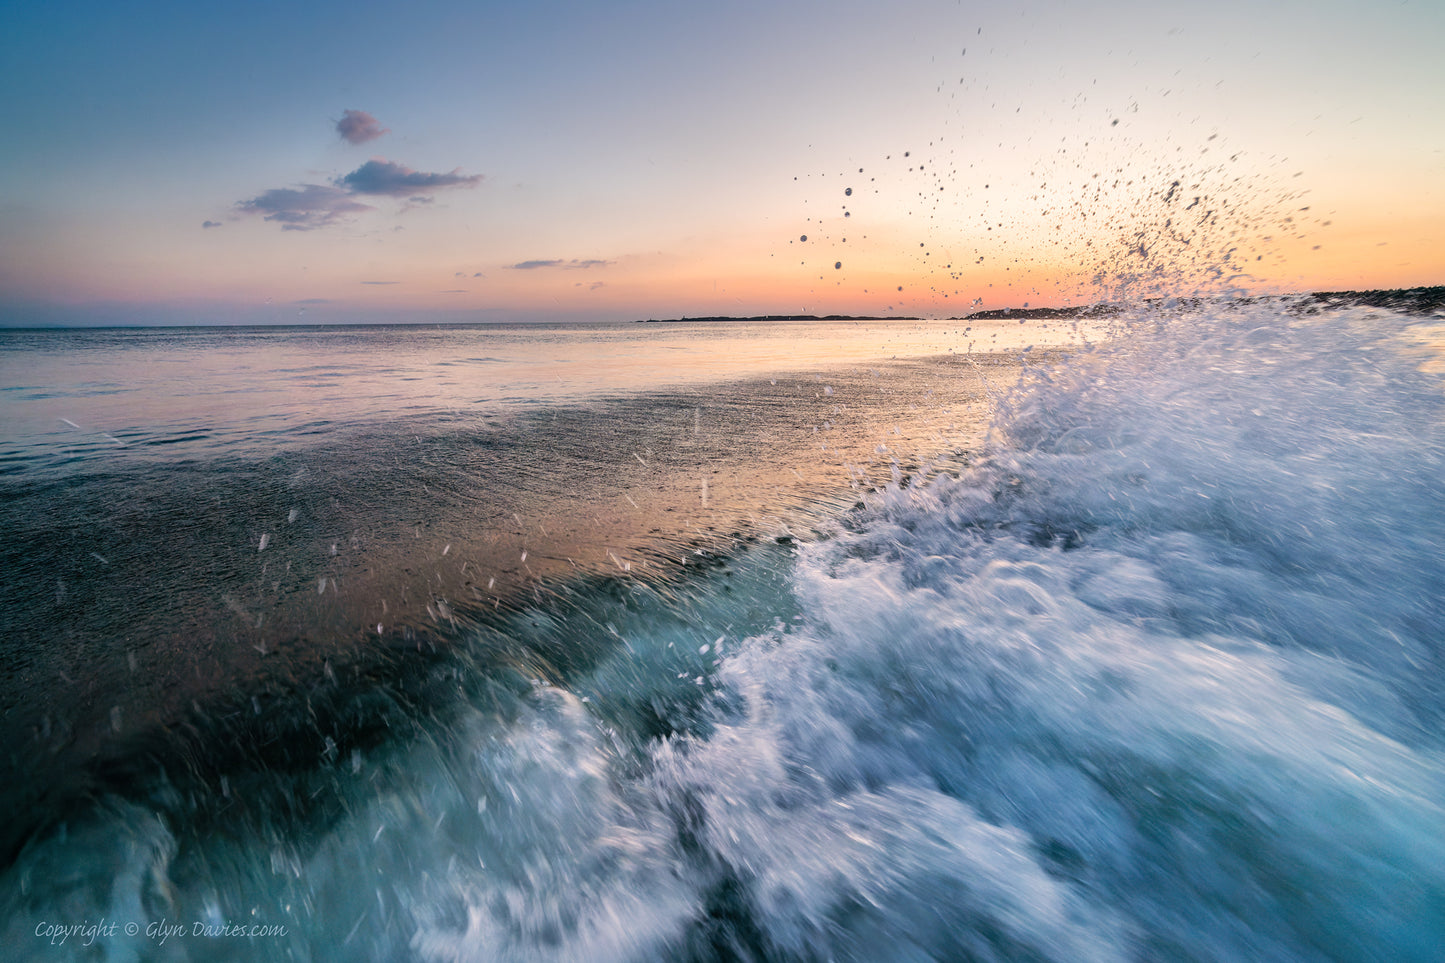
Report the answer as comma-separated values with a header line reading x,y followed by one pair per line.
x,y
79,396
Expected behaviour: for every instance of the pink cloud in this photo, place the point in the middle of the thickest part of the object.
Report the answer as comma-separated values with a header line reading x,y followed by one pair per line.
x,y
358,127
303,209
381,176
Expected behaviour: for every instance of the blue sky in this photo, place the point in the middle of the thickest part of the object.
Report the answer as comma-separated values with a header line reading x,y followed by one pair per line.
x,y
639,159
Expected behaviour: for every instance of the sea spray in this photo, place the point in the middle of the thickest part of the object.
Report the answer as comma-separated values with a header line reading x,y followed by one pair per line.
x,y
1176,635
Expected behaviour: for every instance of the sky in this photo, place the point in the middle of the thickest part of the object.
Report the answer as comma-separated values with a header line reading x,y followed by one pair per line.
x,y
183,163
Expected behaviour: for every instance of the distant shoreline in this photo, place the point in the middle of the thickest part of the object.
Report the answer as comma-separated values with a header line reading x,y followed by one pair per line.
x,y
1421,300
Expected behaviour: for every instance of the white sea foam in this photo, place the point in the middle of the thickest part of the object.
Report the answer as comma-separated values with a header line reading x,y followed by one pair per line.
x,y
1175,640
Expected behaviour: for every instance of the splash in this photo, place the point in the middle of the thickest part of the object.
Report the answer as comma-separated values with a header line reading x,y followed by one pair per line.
x,y
1098,202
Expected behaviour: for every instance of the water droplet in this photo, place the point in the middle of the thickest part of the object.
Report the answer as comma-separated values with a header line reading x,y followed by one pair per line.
x,y
848,192
837,265
803,238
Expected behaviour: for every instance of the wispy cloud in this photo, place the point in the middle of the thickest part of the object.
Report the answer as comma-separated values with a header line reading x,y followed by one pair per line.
x,y
311,206
358,127
303,209
307,207
381,176
208,224
313,301
380,282
573,264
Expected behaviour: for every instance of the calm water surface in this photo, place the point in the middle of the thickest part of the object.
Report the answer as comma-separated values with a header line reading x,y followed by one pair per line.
x,y
71,394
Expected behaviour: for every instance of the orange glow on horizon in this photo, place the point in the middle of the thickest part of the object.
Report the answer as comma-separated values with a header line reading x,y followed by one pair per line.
x,y
1038,263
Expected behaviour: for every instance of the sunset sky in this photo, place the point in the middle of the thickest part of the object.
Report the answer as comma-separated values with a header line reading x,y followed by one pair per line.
x,y
268,162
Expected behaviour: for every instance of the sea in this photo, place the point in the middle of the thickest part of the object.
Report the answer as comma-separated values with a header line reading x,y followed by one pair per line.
x,y
1115,637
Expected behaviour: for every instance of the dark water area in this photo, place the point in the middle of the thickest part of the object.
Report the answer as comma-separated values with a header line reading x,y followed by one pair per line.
x,y
1117,648
180,592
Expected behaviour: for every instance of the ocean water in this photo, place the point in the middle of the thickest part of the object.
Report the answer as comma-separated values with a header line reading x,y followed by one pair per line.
x,y
1119,648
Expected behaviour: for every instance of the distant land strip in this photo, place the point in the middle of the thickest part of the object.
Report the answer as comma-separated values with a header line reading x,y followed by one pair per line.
x,y
1403,300
1424,300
